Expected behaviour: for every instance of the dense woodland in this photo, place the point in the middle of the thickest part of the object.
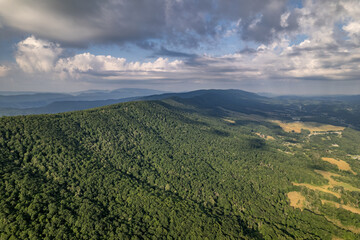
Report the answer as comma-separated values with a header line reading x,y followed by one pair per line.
x,y
168,169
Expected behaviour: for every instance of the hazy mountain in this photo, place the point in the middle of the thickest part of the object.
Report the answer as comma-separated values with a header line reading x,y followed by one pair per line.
x,y
36,103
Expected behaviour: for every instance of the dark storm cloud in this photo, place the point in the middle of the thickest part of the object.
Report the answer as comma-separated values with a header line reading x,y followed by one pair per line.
x,y
82,22
185,22
264,26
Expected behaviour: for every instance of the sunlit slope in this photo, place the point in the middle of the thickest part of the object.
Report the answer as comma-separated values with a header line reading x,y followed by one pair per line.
x,y
171,168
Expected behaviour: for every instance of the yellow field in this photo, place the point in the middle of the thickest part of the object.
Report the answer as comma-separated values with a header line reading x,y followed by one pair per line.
x,y
311,126
229,120
342,165
346,207
318,188
332,182
339,224
336,238
296,200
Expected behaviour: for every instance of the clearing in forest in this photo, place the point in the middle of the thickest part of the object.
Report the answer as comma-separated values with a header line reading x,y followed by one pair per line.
x,y
318,188
311,126
296,200
332,182
229,120
342,165
338,205
339,224
336,238
266,137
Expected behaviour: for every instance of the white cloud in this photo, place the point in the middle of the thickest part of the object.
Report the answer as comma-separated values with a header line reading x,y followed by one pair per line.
x,y
283,19
4,70
256,21
353,29
36,55
87,63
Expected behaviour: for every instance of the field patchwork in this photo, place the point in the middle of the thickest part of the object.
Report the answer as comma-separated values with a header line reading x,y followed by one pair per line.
x,y
338,205
342,165
318,188
297,200
311,126
333,182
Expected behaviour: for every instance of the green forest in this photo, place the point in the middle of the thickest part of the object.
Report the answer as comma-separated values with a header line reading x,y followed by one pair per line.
x,y
175,169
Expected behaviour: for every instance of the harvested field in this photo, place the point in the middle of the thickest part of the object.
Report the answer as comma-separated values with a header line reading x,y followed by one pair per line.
x,y
311,126
346,207
318,188
339,224
332,182
229,120
336,238
342,165
296,200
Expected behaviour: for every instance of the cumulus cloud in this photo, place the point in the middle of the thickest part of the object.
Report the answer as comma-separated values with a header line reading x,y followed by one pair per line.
x,y
328,52
108,66
353,30
37,55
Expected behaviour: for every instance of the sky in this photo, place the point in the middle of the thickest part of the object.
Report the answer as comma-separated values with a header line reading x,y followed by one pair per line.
x,y
308,47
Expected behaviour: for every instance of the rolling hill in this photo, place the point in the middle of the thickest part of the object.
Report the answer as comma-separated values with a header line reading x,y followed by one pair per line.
x,y
215,164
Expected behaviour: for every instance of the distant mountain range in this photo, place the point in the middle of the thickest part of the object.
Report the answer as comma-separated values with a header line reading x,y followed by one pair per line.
x,y
24,103
327,108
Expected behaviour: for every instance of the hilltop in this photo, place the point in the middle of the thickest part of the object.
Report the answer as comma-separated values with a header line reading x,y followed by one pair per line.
x,y
206,164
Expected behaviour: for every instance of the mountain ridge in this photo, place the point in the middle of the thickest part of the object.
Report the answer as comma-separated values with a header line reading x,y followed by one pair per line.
x,y
176,167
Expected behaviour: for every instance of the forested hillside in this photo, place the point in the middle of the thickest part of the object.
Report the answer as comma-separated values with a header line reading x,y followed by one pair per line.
x,y
182,168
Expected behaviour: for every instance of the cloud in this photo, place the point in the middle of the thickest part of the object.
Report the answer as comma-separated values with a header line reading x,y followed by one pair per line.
x,y
85,21
266,25
37,55
309,60
168,53
179,22
4,70
108,66
317,41
353,30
